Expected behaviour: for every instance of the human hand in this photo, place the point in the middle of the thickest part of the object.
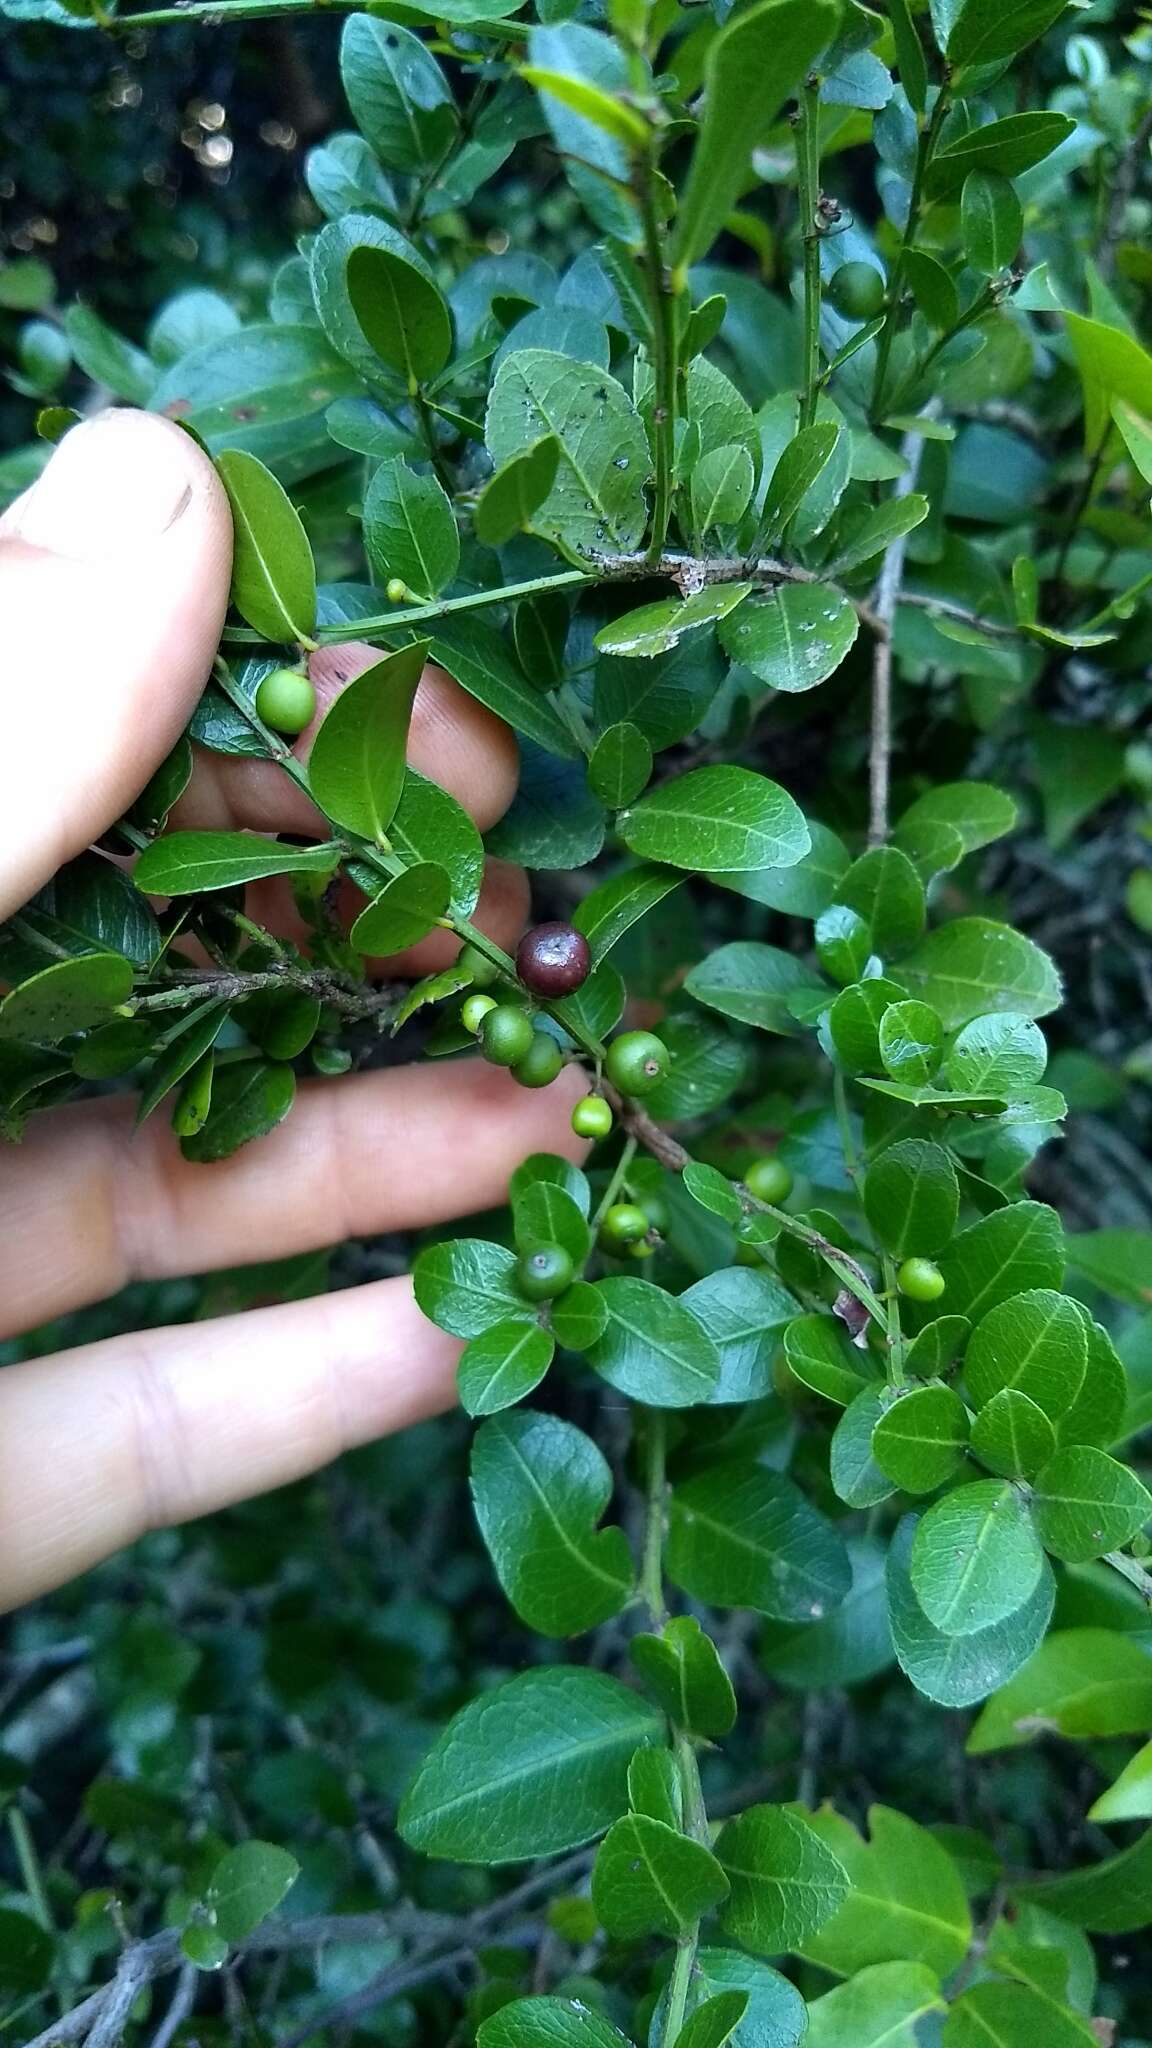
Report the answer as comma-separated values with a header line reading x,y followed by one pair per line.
x,y
113,586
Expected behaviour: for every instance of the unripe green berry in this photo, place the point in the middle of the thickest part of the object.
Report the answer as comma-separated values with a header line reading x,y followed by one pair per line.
x,y
592,1117
637,1062
475,1009
330,1059
481,971
640,1250
541,1063
544,1273
920,1280
505,1034
623,1224
286,700
857,290
396,590
769,1180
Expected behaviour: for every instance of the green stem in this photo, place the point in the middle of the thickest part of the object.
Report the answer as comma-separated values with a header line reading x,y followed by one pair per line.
x,y
680,1984
219,14
428,429
925,150
656,1491
30,1870
895,1334
418,614
661,293
844,1122
808,182
617,1181
1116,606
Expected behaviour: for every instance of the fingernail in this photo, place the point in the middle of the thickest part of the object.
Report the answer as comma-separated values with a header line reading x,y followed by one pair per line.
x,y
115,481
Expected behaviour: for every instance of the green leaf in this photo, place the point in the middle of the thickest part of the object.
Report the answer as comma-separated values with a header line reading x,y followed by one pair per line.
x,y
657,628
907,1903
429,825
248,1101
750,982
1129,1797
974,965
1006,1253
619,765
196,1035
654,1786
516,491
717,818
803,889
597,163
273,575
597,500
881,525
1113,1897
650,1879
797,467
797,636
979,812
955,1671
740,1536
885,890
682,1667
721,487
976,1557
984,31
477,657
936,1346
248,1884
715,2022
535,1765
397,92
998,2015
1086,1504
548,2023
1012,1435
546,1213
821,1356
843,947
854,1023
1112,366
911,1040
1003,1052
404,912
992,221
1119,1262
467,1285
920,1441
1037,1342
775,2016
614,116
1082,1682
539,1487
356,767
911,1197
69,996
27,1953
401,311
653,1348
501,1365
713,1190
784,1882
189,863
856,1477
744,1310
775,41
549,1170
882,2007
409,530
1007,147
614,906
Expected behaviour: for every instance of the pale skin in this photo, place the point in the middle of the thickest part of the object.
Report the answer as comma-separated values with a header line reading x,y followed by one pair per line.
x,y
113,586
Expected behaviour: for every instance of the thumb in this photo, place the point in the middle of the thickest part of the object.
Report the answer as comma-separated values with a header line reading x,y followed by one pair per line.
x,y
114,574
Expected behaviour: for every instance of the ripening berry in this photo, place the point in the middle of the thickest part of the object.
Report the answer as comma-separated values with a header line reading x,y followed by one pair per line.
x,y
920,1280
553,959
769,1180
474,1010
623,1224
544,1273
637,1062
286,700
592,1117
505,1034
857,291
541,1063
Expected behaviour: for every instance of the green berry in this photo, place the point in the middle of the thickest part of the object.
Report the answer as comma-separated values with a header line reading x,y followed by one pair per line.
x,y
396,590
641,1250
286,700
769,1180
481,971
541,1063
506,1034
331,1059
857,290
592,1117
637,1062
474,1011
544,1273
623,1224
920,1280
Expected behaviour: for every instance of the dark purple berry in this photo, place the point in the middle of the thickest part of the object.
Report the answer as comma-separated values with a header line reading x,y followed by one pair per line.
x,y
553,959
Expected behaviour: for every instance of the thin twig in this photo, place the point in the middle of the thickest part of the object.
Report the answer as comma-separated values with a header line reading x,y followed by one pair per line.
x,y
183,2000
887,594
195,984
1123,186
